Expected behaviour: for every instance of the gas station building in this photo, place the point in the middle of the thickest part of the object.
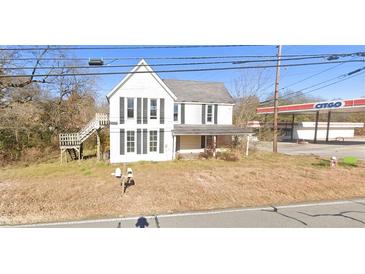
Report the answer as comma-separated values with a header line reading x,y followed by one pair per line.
x,y
318,130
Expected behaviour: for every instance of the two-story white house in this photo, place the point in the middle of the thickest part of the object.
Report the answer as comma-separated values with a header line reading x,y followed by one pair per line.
x,y
153,119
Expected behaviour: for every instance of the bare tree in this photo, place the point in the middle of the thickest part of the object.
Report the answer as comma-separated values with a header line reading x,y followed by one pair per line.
x,y
248,88
41,106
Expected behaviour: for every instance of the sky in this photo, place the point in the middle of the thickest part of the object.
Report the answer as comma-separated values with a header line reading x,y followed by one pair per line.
x,y
351,88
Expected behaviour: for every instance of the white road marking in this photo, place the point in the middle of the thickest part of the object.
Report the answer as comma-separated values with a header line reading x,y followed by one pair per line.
x,y
197,213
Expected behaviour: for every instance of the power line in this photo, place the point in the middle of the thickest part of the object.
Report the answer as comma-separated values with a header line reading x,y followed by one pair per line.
x,y
234,62
318,84
311,76
328,85
27,48
307,78
361,54
173,71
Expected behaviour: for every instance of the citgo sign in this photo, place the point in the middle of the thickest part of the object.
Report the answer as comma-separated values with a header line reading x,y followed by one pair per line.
x,y
335,104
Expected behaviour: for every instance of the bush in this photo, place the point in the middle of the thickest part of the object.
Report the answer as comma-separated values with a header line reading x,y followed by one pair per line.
x,y
229,155
179,156
207,154
31,154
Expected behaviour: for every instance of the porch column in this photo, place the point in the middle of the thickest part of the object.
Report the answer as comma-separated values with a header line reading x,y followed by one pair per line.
x,y
247,144
214,145
328,125
292,128
316,127
173,147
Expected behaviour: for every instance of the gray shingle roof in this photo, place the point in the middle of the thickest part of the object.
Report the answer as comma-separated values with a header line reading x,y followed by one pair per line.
x,y
199,91
210,130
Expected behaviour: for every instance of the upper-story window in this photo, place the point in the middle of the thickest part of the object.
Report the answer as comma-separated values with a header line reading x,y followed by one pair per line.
x,y
209,113
153,109
176,112
130,108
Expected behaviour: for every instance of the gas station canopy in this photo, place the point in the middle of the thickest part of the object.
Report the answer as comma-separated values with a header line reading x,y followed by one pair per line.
x,y
347,105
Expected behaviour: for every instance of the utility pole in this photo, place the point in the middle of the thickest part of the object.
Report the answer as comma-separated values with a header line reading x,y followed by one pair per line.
x,y
276,98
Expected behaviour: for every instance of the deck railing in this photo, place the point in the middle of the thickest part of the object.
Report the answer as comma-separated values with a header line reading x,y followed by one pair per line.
x,y
102,118
69,139
75,139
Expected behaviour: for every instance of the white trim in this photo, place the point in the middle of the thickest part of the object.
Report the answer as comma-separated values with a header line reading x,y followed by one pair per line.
x,y
148,68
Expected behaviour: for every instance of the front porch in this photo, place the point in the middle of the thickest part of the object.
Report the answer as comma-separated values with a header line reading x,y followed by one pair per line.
x,y
190,140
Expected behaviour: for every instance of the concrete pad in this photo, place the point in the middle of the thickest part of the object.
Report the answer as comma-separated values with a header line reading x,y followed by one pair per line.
x,y
340,150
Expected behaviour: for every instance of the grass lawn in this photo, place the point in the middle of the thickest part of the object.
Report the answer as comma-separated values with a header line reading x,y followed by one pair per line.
x,y
53,192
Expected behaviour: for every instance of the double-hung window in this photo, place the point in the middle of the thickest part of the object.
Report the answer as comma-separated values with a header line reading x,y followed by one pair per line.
x,y
153,141
176,112
209,113
130,108
130,141
153,109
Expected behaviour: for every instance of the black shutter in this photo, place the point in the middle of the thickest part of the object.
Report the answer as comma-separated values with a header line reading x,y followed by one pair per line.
x,y
182,113
144,141
162,111
139,110
122,142
162,137
121,110
145,102
138,141
215,114
177,143
202,142
203,114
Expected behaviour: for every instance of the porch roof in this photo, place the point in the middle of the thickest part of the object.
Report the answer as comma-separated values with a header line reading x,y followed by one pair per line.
x,y
210,130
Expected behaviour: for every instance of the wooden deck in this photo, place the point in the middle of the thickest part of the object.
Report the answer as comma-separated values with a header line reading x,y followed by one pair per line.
x,y
72,142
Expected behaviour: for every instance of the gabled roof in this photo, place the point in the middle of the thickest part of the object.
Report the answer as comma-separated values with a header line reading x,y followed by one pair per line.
x,y
199,91
184,90
144,64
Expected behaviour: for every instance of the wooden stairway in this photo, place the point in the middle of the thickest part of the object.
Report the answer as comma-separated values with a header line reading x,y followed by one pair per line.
x,y
72,142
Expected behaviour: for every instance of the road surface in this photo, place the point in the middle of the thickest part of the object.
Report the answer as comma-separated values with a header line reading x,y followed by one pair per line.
x,y
346,213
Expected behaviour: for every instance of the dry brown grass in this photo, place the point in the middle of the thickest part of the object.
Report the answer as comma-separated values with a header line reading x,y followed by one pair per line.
x,y
50,192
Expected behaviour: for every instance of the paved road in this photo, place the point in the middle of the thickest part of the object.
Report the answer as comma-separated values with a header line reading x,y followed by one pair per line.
x,y
339,149
348,213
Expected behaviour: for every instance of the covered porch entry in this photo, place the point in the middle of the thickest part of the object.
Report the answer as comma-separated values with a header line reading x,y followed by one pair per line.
x,y
194,139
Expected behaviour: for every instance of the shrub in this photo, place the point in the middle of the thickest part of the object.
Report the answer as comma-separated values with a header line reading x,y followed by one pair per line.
x,y
229,155
207,154
179,156
31,154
